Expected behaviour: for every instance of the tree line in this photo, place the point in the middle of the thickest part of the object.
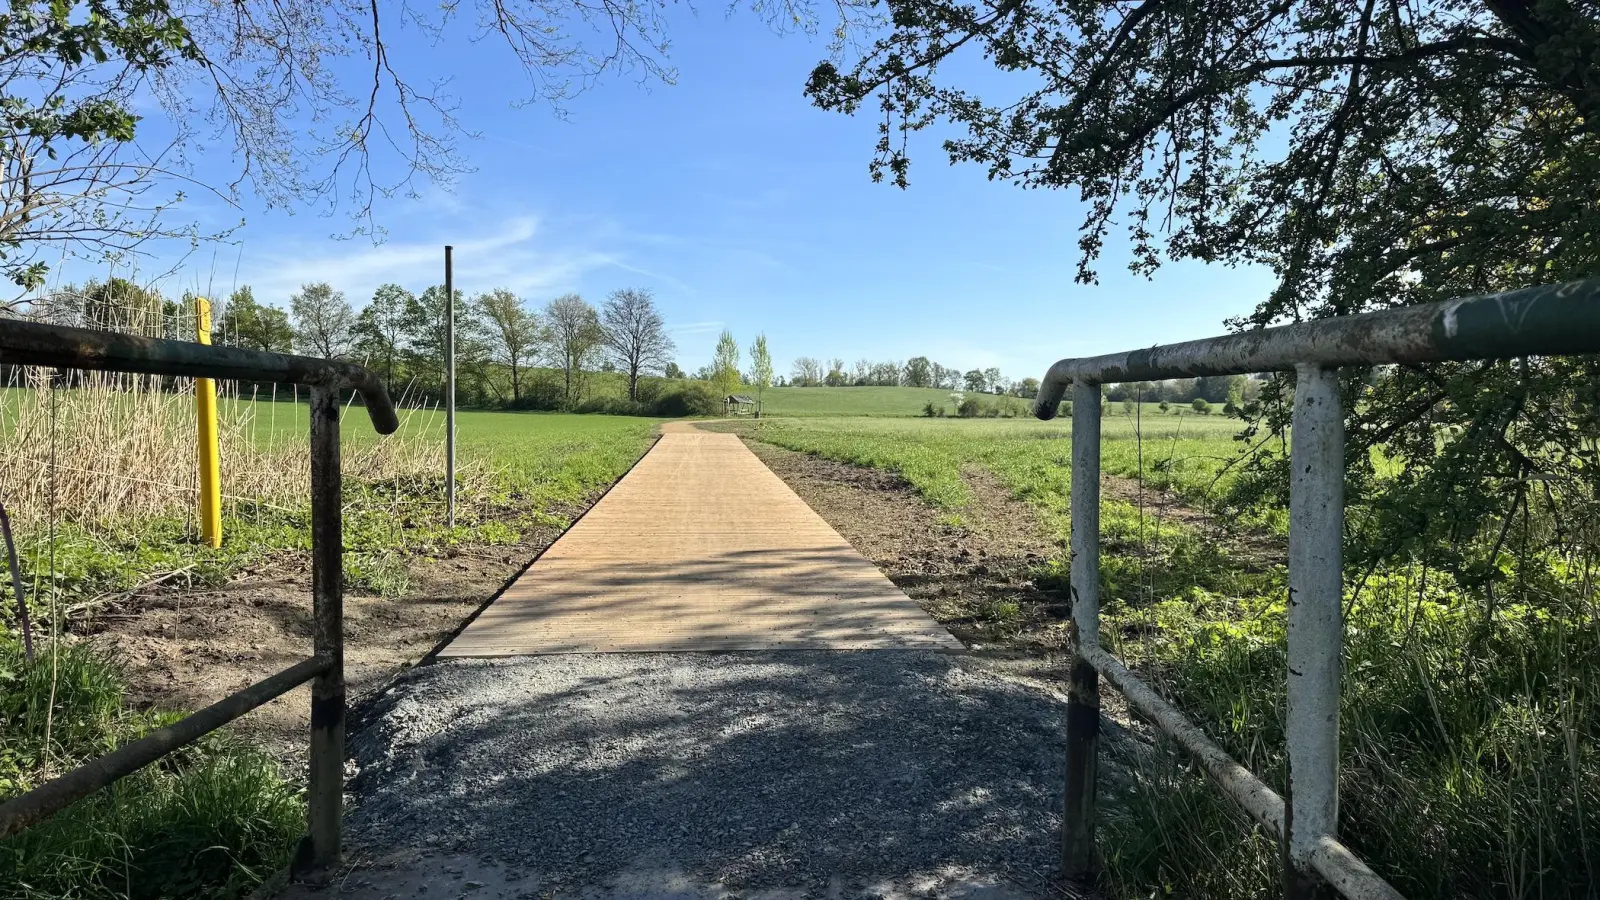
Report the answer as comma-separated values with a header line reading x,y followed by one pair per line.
x,y
919,371
508,352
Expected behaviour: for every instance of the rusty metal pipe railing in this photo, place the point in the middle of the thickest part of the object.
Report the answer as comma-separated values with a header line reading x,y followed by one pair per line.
x,y
26,343
32,343
53,796
1538,321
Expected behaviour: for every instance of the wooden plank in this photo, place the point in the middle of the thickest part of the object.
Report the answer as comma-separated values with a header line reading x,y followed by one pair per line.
x,y
700,547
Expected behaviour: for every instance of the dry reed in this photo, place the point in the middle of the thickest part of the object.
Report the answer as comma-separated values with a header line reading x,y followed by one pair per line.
x,y
100,448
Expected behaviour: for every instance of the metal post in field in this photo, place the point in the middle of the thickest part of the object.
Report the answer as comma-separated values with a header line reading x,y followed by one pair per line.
x,y
205,404
1316,629
450,387
1079,858
320,854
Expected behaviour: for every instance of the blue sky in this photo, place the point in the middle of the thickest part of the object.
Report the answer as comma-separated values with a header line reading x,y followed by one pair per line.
x,y
739,205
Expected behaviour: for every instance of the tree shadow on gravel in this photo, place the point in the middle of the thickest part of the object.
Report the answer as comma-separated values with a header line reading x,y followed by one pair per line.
x,y
750,769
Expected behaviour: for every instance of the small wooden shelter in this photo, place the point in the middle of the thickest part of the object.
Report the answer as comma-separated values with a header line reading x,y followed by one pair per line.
x,y
738,405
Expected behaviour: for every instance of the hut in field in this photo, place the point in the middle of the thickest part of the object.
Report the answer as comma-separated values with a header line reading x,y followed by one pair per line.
x,y
738,405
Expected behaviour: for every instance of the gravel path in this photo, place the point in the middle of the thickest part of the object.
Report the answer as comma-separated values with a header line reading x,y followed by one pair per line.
x,y
813,773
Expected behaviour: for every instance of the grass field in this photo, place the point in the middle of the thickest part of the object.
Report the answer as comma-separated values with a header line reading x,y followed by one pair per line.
x,y
1469,767
866,401
1030,456
558,457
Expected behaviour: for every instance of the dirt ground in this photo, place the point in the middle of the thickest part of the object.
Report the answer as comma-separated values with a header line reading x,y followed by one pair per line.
x,y
183,649
962,574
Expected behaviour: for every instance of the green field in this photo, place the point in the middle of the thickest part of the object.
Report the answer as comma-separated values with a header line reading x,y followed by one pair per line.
x,y
867,401
1030,456
562,456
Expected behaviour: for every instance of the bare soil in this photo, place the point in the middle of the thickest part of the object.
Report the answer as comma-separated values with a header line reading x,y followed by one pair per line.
x,y
183,649
979,578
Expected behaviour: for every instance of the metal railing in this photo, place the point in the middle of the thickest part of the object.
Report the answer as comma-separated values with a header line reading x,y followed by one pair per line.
x,y
1539,321
31,343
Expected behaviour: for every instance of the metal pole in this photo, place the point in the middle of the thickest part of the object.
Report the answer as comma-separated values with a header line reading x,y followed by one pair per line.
x,y
450,388
205,405
1078,857
1316,630
320,853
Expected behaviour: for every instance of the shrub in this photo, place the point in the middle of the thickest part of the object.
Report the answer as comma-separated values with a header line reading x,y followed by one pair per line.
x,y
1165,406
1128,406
1201,406
540,391
611,406
690,398
928,410
970,408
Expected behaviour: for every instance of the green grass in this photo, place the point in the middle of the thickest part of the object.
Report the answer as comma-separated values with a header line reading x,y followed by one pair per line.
x,y
861,401
211,820
1032,457
1469,729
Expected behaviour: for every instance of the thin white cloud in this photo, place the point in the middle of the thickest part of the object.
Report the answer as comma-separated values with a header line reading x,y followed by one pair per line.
x,y
693,328
509,255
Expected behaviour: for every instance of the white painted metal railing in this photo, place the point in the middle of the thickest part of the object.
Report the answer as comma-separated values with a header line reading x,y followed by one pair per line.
x,y
1540,321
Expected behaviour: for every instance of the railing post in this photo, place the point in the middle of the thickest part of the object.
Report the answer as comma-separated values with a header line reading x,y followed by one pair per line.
x,y
1079,859
1316,629
319,853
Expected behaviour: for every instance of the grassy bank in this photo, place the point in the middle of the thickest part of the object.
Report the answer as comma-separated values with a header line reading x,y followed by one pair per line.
x,y
1469,731
209,821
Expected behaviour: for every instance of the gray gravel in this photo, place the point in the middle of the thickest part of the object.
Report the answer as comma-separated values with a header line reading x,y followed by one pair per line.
x,y
749,770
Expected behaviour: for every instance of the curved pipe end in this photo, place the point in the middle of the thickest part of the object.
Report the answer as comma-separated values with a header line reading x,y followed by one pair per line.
x,y
1052,389
380,409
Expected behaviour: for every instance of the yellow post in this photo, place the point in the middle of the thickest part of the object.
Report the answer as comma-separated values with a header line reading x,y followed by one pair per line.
x,y
205,404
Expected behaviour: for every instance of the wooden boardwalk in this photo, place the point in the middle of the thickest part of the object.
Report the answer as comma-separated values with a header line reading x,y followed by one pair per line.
x,y
700,547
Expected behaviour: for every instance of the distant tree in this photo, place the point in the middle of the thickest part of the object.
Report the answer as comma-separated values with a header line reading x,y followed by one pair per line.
x,y
380,329
1212,388
1165,406
1028,387
575,339
975,380
1235,401
514,334
1200,405
836,376
806,372
674,371
888,373
861,372
725,364
994,382
705,373
324,323
246,323
636,335
115,304
426,336
919,372
760,369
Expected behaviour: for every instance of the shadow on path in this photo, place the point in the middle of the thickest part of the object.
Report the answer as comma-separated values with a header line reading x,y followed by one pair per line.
x,y
828,771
